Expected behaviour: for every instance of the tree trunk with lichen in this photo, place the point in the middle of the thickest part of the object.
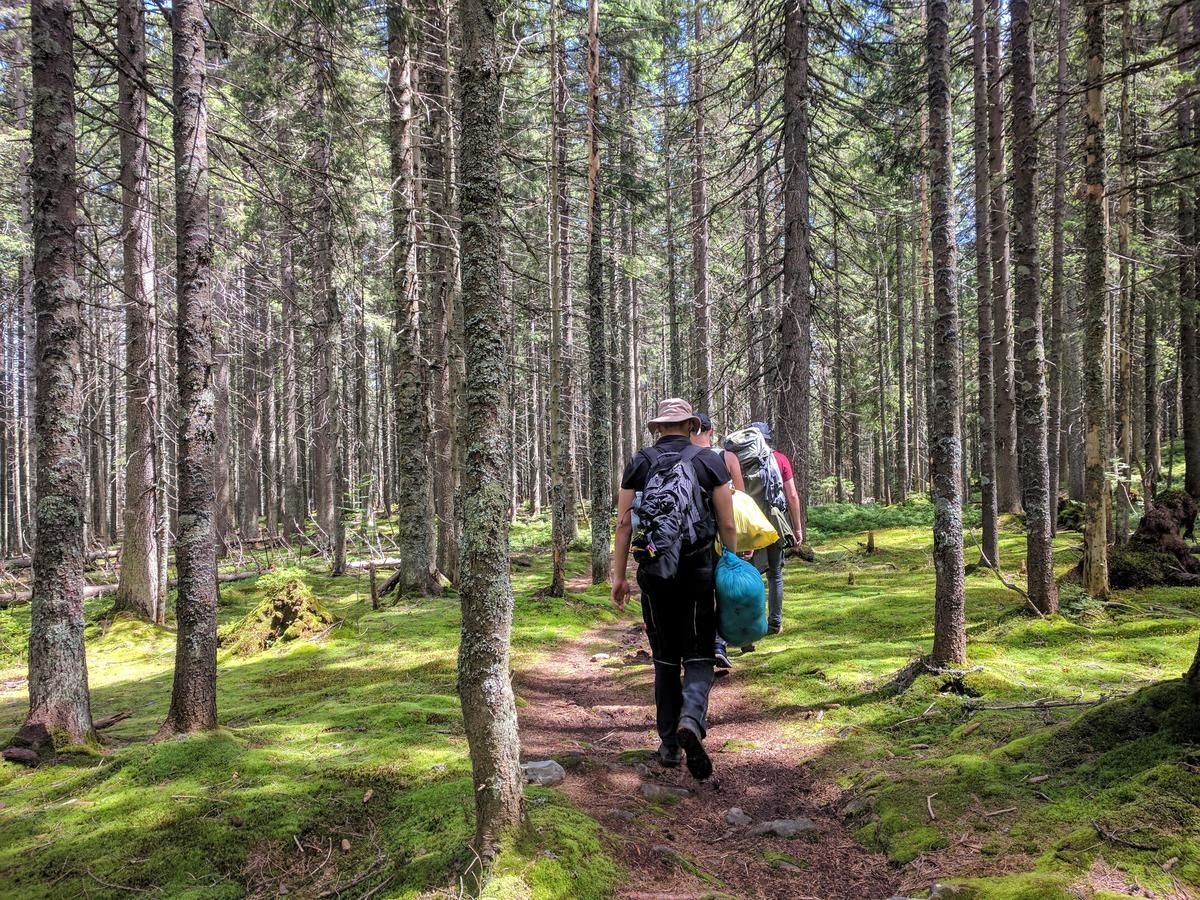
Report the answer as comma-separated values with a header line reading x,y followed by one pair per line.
x,y
949,634
1095,314
414,529
1031,390
489,708
59,707
795,352
138,586
989,550
194,688
1008,491
598,386
1058,252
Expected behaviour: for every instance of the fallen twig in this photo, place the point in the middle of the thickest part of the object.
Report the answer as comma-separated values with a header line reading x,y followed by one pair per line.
x,y
930,712
1113,838
999,812
110,721
929,806
1004,581
1037,704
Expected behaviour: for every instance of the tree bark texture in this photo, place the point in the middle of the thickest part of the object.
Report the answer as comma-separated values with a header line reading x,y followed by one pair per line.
x,y
1054,348
598,387
489,709
414,527
194,688
1036,496
1007,478
138,580
990,548
795,355
59,708
949,635
1095,313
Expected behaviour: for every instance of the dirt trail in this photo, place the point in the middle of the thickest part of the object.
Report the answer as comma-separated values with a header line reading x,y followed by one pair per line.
x,y
600,713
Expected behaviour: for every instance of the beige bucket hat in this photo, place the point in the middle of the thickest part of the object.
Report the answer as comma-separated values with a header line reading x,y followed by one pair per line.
x,y
673,411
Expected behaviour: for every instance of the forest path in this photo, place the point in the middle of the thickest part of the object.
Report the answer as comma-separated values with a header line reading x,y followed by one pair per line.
x,y
597,715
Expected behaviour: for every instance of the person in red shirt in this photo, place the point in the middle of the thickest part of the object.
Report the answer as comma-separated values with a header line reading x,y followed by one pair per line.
x,y
769,560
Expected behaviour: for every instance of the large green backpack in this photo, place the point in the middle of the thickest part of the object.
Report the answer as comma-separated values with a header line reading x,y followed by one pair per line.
x,y
761,475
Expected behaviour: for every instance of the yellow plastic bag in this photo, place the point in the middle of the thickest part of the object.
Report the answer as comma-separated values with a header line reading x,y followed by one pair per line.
x,y
754,529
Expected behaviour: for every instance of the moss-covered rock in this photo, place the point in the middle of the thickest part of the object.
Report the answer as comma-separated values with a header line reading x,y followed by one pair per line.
x,y
289,611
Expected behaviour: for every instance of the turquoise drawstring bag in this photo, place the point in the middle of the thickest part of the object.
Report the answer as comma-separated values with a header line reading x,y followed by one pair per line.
x,y
741,601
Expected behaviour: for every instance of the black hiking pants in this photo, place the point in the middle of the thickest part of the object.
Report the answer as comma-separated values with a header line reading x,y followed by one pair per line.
x,y
681,623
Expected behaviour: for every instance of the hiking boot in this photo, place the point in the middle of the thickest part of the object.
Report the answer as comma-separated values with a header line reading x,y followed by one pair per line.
x,y
775,629
723,659
698,761
669,757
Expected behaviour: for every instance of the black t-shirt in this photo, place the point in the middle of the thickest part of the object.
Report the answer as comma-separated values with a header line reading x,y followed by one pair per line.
x,y
710,467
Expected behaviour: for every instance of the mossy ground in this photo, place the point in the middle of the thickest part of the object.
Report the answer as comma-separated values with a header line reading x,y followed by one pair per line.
x,y
308,729
1130,768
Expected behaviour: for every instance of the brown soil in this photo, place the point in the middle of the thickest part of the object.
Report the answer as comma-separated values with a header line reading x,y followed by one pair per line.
x,y
596,714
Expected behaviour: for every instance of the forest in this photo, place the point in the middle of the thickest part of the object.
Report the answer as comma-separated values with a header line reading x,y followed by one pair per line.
x,y
328,331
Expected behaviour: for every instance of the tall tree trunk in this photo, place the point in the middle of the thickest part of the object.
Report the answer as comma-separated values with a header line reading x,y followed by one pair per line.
x,y
677,384
250,421
194,689
702,356
989,551
839,372
326,313
902,432
1007,480
1189,315
58,686
949,634
1036,496
1126,296
598,386
1152,448
1008,489
562,464
414,530
795,355
489,709
294,506
1058,251
137,587
1095,313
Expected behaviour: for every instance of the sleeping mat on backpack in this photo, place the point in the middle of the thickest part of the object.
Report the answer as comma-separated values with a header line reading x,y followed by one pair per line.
x,y
741,600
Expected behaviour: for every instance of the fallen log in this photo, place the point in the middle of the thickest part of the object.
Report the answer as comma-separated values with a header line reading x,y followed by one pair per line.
x,y
365,564
99,590
25,562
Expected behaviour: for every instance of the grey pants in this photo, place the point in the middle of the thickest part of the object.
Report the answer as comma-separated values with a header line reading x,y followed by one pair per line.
x,y
769,561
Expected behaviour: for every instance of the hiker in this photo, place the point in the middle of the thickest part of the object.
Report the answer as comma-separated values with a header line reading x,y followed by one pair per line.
x,y
704,438
766,475
680,498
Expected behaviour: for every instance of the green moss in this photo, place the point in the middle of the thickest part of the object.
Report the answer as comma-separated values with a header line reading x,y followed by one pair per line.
x,y
308,728
289,611
559,854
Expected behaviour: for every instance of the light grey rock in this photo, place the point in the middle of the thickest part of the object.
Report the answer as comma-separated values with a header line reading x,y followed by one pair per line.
x,y
624,815
546,773
669,792
734,816
857,806
941,891
785,828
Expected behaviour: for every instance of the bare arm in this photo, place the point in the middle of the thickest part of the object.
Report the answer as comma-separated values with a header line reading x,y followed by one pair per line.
x,y
793,500
735,471
620,586
722,501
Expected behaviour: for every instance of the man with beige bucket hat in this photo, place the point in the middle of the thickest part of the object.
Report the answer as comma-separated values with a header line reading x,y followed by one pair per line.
x,y
674,501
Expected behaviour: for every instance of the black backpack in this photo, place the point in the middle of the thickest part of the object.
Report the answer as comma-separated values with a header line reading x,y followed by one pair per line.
x,y
672,513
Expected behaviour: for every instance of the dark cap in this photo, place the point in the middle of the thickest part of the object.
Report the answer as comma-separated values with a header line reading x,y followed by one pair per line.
x,y
705,422
762,428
